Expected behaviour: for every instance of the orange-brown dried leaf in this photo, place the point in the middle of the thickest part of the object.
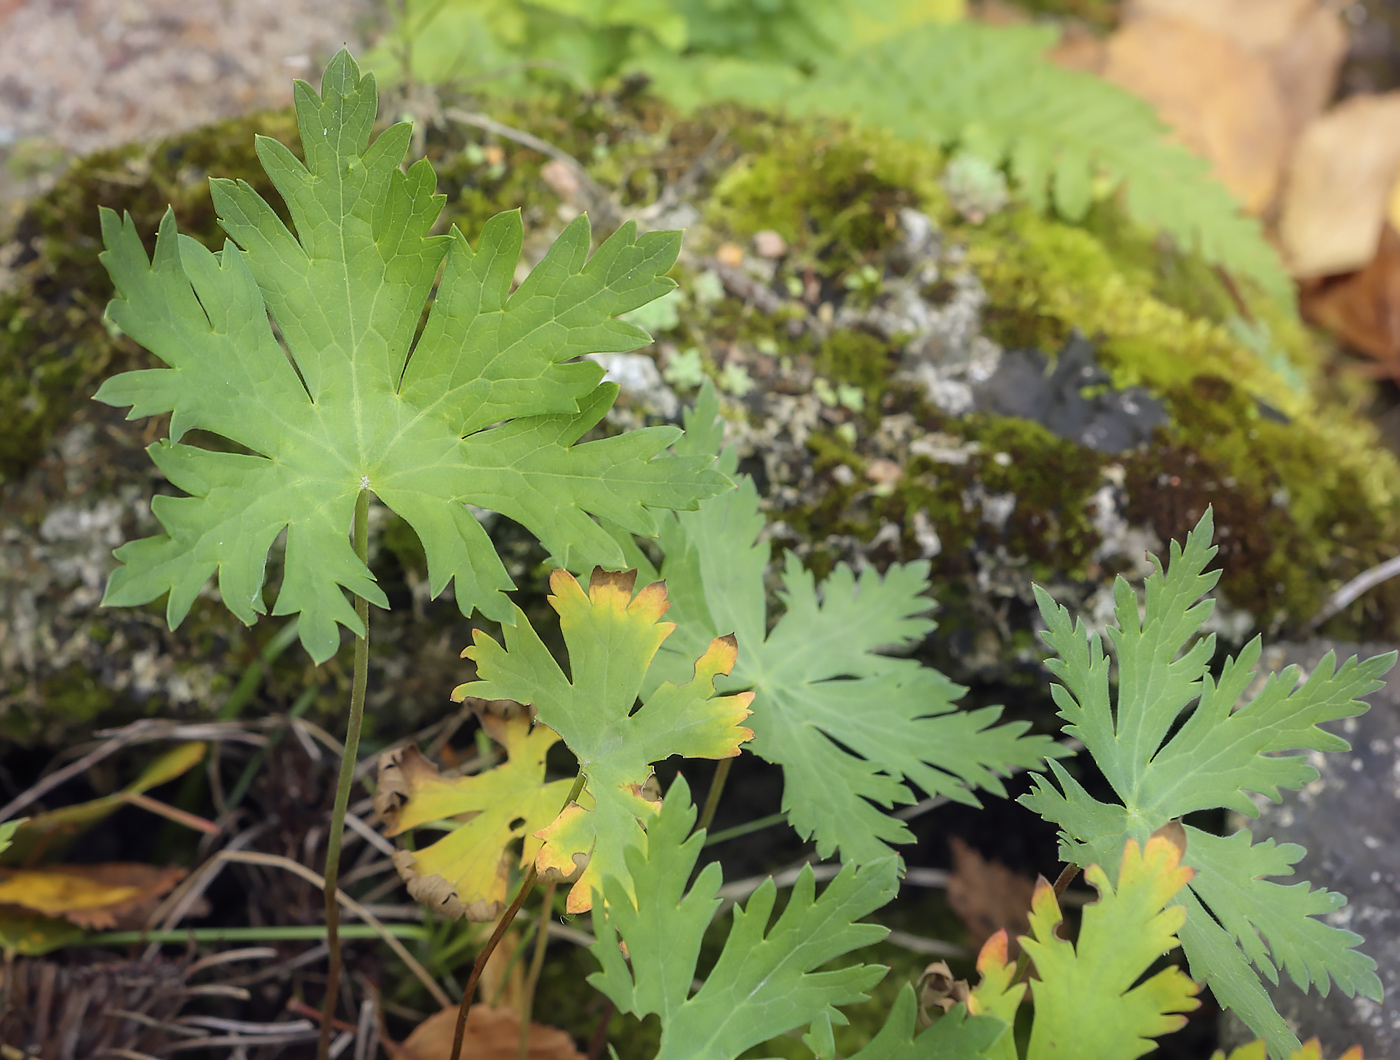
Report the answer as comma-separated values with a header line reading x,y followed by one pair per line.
x,y
987,896
90,896
491,1034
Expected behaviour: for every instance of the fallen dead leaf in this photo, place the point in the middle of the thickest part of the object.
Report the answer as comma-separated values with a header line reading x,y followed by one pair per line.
x,y
1362,308
1307,65
1303,41
491,1034
987,896
1339,182
1257,25
90,896
1220,99
939,989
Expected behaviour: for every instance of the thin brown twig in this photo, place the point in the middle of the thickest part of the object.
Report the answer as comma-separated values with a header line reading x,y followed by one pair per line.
x,y
479,965
502,925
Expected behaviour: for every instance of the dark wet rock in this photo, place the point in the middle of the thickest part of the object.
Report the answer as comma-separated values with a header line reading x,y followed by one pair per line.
x,y
1348,820
1075,399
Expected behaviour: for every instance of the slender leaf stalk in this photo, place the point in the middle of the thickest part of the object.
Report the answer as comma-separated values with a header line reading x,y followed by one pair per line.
x,y
502,926
747,828
532,978
342,791
712,796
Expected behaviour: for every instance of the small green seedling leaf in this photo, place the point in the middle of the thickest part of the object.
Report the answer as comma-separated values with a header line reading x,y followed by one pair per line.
x,y
465,872
612,638
849,725
7,832
953,1036
484,408
1086,1000
1223,750
765,982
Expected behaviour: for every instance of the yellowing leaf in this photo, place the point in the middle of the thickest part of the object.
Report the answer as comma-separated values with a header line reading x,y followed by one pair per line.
x,y
612,638
464,873
1086,1003
91,896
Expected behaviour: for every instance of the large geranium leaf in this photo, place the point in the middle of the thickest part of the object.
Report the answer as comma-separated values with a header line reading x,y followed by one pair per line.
x,y
766,981
484,408
612,638
852,727
1223,750
464,873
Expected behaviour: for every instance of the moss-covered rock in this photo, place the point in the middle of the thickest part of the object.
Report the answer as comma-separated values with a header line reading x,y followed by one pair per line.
x,y
884,386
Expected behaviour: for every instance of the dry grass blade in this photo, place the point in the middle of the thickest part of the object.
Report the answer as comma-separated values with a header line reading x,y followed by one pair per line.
x,y
201,879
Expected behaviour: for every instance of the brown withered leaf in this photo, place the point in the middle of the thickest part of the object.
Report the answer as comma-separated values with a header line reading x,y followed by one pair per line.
x,y
940,989
90,896
1362,308
987,896
1219,98
1259,25
1339,182
491,1034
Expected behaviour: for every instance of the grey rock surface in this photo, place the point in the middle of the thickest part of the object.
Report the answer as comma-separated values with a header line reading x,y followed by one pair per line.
x,y
1349,822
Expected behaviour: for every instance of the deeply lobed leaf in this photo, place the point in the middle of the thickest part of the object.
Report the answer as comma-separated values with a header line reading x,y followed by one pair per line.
x,y
612,638
1222,750
851,727
1088,1001
765,981
484,409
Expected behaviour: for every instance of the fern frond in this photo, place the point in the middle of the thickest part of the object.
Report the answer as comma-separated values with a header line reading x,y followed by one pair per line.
x,y
990,91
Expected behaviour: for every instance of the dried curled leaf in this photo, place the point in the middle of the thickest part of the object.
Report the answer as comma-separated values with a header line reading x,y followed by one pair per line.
x,y
465,873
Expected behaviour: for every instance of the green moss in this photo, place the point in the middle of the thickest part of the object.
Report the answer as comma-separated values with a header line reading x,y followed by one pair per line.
x,y
1303,490
859,359
832,192
54,349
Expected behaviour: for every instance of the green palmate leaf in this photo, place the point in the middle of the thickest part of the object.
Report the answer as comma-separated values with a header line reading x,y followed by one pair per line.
x,y
765,982
484,408
848,725
612,639
1218,755
465,872
1086,1000
954,1036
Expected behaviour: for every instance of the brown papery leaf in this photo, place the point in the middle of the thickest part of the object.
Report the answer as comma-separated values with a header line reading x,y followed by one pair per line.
x,y
1363,308
91,896
1339,182
987,896
1219,98
492,1034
